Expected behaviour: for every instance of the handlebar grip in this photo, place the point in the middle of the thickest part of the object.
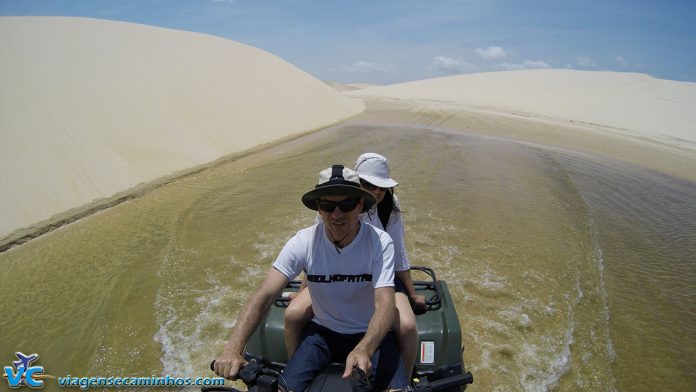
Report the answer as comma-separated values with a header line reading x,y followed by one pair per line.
x,y
452,382
212,368
359,381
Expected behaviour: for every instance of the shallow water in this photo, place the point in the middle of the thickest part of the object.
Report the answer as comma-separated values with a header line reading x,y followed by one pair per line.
x,y
569,272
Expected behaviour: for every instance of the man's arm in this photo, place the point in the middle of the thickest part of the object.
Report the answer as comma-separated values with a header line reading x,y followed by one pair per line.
x,y
379,325
228,363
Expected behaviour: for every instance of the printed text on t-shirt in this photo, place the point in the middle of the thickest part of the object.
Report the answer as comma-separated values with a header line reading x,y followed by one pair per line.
x,y
339,278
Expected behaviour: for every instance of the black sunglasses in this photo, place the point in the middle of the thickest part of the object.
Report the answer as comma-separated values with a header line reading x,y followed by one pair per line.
x,y
346,205
370,186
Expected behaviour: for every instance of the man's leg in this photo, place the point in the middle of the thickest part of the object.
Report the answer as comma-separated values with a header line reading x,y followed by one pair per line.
x,y
310,358
388,371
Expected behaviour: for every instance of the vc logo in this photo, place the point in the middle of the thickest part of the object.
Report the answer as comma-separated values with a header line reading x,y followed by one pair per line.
x,y
22,373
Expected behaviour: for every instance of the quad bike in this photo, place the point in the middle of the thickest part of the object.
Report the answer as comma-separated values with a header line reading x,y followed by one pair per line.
x,y
439,365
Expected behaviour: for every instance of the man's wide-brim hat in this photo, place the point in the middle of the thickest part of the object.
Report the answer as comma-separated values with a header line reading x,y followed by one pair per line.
x,y
338,181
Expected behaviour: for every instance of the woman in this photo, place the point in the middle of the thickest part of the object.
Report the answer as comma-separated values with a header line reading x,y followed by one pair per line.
x,y
373,170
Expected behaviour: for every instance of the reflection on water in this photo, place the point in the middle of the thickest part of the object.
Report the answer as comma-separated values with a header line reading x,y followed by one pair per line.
x,y
647,231
568,273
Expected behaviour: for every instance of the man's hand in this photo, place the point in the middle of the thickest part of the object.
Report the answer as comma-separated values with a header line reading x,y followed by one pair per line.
x,y
418,304
227,365
360,358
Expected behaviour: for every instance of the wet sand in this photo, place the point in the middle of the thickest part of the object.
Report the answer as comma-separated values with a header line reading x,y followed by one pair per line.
x,y
674,159
539,246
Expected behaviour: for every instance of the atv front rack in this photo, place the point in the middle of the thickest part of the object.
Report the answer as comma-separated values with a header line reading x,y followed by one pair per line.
x,y
434,302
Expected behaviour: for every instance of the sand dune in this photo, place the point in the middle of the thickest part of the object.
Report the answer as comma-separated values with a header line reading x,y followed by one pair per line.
x,y
636,103
90,108
349,86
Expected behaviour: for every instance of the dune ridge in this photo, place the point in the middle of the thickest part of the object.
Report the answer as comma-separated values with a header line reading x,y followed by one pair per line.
x,y
94,112
630,103
92,108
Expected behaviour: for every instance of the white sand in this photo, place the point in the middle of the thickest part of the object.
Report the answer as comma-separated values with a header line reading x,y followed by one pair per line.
x,y
349,86
631,103
340,86
90,108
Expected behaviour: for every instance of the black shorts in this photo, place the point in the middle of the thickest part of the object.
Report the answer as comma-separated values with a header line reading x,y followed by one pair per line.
x,y
321,346
399,286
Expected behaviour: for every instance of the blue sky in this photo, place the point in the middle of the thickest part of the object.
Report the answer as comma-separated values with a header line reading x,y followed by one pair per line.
x,y
393,41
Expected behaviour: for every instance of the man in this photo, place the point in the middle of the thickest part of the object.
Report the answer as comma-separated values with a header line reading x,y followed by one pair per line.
x,y
350,276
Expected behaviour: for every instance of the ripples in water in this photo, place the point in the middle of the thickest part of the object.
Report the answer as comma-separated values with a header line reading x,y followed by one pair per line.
x,y
568,272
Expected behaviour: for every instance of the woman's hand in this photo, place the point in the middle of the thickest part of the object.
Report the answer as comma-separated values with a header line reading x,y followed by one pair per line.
x,y
418,304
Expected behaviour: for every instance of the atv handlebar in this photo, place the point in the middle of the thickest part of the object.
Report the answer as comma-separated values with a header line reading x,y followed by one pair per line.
x,y
448,383
259,377
251,372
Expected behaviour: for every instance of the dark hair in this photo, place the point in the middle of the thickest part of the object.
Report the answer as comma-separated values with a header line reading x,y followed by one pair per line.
x,y
386,206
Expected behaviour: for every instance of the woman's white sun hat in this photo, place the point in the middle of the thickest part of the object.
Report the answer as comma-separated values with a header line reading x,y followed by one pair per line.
x,y
374,168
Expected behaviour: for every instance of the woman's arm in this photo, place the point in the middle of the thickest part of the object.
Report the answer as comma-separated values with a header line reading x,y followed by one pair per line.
x,y
417,301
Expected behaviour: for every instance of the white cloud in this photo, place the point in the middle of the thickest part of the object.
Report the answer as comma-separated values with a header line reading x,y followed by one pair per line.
x,y
492,53
451,65
366,66
621,61
586,62
526,64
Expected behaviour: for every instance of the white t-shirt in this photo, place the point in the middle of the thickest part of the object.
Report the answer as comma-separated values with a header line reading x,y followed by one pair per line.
x,y
341,284
395,229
